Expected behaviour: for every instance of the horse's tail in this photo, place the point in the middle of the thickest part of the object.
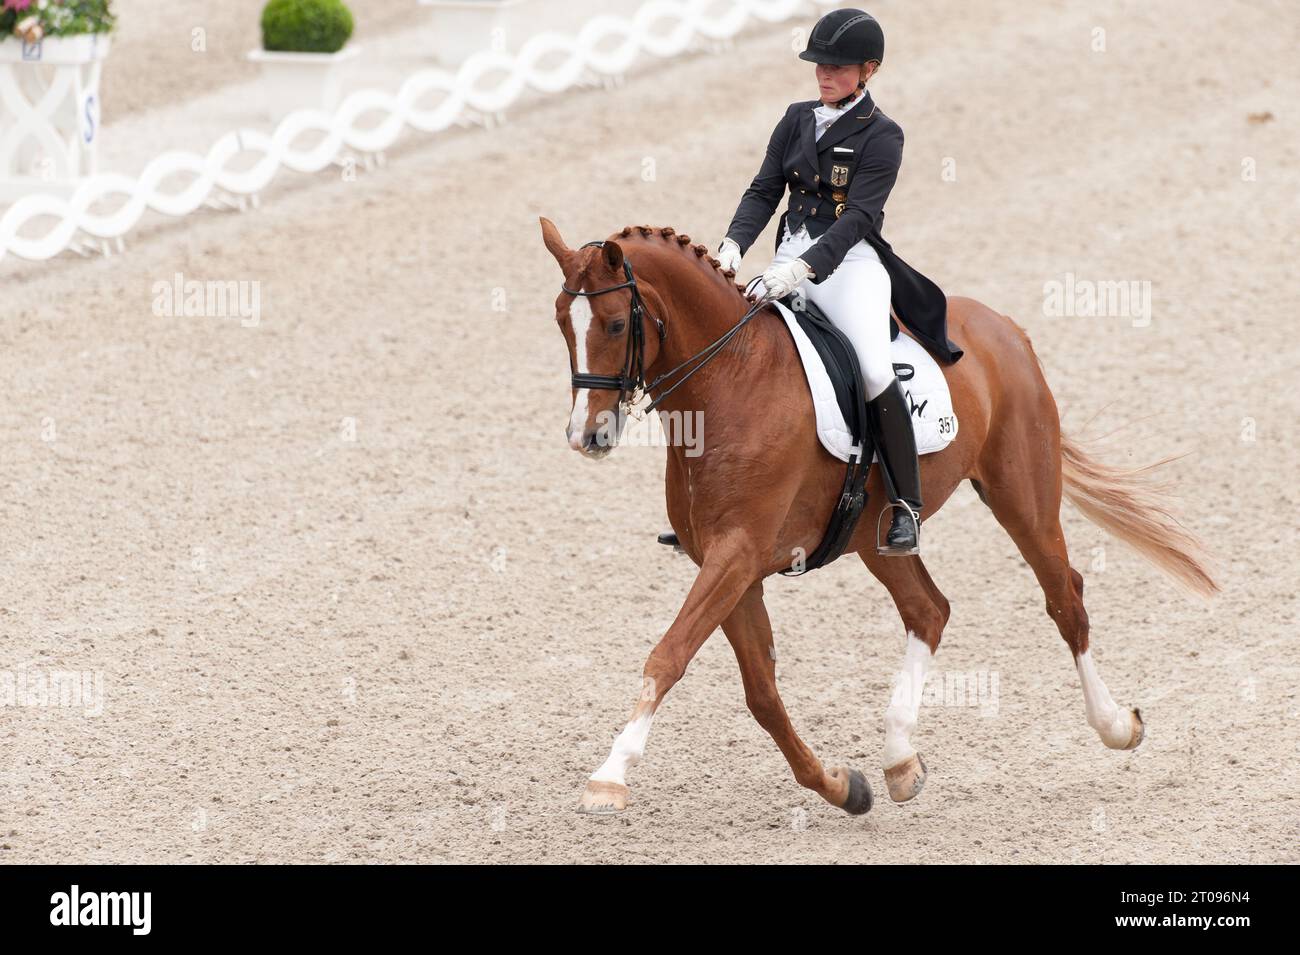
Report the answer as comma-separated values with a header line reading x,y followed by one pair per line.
x,y
1125,503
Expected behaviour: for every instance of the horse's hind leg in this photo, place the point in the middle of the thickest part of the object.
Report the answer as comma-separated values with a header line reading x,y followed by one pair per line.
x,y
924,610
750,633
1025,497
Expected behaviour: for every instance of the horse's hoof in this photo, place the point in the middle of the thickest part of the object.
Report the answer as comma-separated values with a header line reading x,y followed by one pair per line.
x,y
906,779
603,799
860,798
1125,731
1139,730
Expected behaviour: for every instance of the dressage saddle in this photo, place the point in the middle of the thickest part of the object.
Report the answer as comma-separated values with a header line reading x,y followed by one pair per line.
x,y
841,361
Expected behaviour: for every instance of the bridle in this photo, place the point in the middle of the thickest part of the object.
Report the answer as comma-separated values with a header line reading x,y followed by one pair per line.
x,y
853,495
631,381
632,378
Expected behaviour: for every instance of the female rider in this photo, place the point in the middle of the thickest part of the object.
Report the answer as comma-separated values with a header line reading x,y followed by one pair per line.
x,y
840,156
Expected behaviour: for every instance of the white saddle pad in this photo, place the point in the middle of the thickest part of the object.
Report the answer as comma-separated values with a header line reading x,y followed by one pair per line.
x,y
926,393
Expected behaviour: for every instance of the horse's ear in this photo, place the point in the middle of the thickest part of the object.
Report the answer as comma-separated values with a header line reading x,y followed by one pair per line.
x,y
555,245
613,255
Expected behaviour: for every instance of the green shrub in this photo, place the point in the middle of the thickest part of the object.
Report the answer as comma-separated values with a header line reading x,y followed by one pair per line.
x,y
306,26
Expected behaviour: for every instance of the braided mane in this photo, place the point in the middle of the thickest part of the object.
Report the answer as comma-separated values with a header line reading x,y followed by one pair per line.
x,y
683,242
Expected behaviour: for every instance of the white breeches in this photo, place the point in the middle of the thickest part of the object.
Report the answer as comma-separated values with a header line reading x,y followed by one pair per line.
x,y
856,299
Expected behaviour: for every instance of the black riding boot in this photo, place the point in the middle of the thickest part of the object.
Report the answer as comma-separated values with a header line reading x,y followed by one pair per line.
x,y
891,427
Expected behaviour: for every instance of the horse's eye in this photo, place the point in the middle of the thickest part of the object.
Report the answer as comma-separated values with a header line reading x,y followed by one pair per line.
x,y
616,328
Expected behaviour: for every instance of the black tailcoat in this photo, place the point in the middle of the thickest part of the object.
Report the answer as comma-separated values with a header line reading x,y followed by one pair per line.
x,y
838,187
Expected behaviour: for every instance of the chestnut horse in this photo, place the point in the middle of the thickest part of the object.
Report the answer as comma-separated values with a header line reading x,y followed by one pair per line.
x,y
763,489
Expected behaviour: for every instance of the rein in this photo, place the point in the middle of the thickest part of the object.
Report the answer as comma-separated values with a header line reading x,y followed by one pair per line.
x,y
632,378
853,494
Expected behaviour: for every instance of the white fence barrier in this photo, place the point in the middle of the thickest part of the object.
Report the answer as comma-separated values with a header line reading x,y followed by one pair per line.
x,y
605,45
459,28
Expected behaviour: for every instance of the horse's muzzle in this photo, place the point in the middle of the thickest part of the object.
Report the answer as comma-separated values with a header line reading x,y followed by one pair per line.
x,y
592,443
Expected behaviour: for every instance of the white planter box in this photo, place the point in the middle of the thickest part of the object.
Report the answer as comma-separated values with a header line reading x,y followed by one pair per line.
x,y
294,81
49,112
56,50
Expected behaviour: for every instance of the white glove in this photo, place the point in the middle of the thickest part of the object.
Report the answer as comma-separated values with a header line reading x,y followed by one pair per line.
x,y
781,280
729,256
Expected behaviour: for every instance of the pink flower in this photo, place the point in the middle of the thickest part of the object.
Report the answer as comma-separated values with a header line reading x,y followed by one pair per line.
x,y
17,4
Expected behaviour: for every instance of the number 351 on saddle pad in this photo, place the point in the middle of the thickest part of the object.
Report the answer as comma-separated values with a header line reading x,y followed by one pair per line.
x,y
924,387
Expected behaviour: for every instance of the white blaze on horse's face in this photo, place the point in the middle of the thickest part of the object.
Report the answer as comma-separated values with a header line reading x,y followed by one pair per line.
x,y
590,430
580,319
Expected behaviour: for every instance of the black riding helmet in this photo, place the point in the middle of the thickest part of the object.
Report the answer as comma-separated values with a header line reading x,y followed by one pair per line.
x,y
845,38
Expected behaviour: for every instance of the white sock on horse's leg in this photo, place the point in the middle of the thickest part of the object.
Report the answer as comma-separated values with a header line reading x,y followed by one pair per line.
x,y
628,748
905,702
1113,723
904,770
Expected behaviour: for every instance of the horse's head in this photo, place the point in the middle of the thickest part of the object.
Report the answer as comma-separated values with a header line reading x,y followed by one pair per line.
x,y
609,343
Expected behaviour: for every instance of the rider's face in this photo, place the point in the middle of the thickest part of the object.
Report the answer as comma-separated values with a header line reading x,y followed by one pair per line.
x,y
836,82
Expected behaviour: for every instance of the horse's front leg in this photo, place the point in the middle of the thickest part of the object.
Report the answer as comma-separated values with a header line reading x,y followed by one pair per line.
x,y
728,570
750,632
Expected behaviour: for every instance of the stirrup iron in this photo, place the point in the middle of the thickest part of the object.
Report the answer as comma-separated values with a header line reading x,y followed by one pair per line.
x,y
883,548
